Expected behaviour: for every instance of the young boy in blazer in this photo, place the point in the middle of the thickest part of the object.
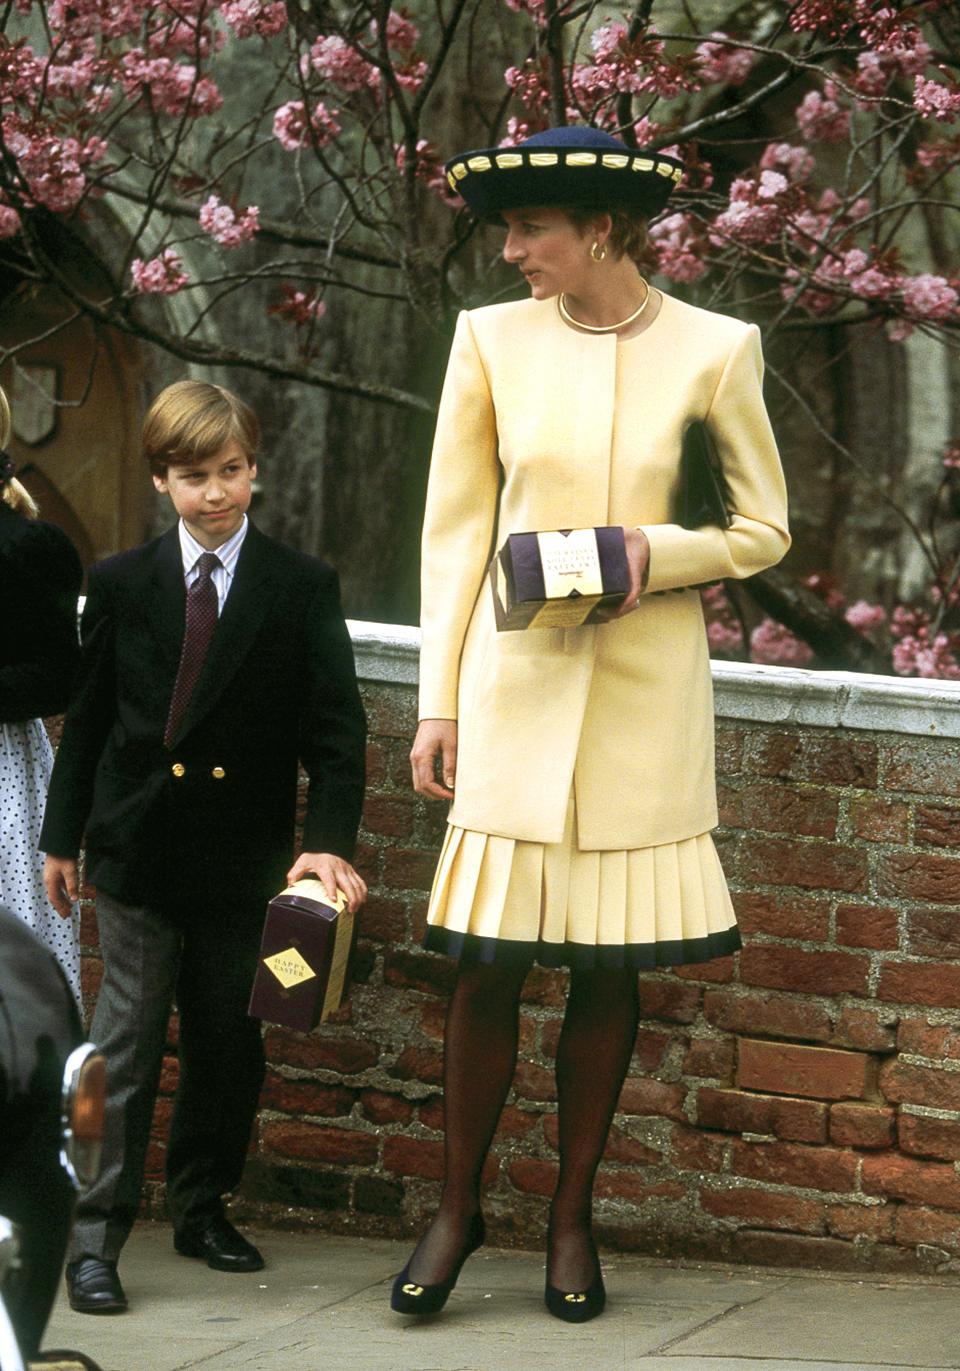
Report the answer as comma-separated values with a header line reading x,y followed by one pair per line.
x,y
214,660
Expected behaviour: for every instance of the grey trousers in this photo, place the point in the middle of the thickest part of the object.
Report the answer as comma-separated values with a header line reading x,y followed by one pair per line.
x,y
148,960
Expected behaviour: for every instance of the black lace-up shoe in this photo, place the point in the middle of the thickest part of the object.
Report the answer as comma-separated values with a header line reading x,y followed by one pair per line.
x,y
220,1245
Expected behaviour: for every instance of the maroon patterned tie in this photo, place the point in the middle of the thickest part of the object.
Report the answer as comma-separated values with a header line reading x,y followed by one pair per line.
x,y
201,620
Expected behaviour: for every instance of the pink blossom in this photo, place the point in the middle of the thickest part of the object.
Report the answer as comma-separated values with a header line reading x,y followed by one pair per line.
x,y
755,213
917,656
868,279
724,630
774,645
9,221
936,101
336,61
645,130
679,246
898,330
951,455
929,297
535,8
724,639
722,61
821,119
163,275
173,88
771,183
865,617
248,18
76,19
606,40
50,166
893,36
402,33
943,153
796,163
826,16
290,125
298,307
223,224
636,67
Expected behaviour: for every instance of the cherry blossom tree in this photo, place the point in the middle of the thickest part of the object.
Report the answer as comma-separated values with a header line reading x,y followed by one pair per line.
x,y
292,150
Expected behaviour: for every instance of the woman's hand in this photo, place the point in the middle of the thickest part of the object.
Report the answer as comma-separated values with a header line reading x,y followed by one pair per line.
x,y
638,560
435,737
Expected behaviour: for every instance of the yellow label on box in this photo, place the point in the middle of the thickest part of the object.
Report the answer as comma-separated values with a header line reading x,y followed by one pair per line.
x,y
289,967
571,562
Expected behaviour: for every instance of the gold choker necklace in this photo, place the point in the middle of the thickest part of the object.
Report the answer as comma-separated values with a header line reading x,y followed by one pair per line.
x,y
568,318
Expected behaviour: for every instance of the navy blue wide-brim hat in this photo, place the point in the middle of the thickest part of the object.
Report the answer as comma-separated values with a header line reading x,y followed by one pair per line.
x,y
564,166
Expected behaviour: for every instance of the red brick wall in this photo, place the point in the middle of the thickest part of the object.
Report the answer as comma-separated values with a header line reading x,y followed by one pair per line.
x,y
797,1103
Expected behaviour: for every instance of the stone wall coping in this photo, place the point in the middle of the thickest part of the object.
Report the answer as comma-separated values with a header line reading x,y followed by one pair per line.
x,y
742,690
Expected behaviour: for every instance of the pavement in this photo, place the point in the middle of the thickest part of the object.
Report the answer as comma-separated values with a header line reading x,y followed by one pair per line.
x,y
322,1302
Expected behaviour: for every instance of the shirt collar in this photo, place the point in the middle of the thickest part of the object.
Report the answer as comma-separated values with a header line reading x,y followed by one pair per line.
x,y
191,551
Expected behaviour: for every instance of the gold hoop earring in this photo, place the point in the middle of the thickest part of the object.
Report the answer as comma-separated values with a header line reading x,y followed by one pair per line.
x,y
598,255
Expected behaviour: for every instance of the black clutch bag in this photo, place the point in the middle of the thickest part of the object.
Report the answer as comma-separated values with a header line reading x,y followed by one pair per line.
x,y
703,495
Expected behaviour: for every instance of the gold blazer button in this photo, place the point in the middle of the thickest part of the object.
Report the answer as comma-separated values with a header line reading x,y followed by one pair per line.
x,y
178,769
218,773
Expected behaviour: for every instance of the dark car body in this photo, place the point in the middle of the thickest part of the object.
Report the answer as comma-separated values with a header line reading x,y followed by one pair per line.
x,y
42,1058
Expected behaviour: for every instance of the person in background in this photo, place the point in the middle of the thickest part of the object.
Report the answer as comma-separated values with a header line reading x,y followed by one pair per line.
x,y
40,579
579,760
214,660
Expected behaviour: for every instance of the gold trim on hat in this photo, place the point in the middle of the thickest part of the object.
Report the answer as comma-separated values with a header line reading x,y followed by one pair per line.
x,y
677,173
664,169
581,159
479,163
459,171
451,180
508,160
543,159
615,160
643,164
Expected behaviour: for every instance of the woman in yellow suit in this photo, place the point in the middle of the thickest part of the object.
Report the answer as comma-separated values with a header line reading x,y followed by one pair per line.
x,y
579,761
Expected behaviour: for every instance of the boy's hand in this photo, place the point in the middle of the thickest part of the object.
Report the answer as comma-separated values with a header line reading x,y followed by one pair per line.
x,y
62,881
334,872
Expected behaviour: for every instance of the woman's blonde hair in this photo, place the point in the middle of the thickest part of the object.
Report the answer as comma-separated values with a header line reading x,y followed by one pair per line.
x,y
191,421
14,493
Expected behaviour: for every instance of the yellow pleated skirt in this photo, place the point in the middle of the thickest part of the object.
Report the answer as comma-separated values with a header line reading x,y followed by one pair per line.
x,y
499,899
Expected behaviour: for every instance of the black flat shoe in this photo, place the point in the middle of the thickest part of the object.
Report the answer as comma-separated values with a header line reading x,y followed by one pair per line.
x,y
220,1245
93,1287
577,1306
408,1297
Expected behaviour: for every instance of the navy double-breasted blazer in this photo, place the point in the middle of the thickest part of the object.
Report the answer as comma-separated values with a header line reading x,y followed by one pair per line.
x,y
205,827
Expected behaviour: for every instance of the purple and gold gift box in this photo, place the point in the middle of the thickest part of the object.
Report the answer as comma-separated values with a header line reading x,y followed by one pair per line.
x,y
306,957
559,579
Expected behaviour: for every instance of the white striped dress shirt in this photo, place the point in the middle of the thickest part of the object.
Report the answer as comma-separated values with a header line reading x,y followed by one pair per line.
x,y
228,553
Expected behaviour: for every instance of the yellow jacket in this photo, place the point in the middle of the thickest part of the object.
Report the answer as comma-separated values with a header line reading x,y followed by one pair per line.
x,y
541,427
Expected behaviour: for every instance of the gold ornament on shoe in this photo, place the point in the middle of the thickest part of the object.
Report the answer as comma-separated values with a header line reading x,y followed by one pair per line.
x,y
411,1289
576,1298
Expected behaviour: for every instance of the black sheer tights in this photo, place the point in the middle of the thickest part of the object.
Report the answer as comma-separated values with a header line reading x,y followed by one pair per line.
x,y
480,1055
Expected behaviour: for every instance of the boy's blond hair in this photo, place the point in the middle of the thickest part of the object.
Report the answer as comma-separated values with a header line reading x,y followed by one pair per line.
x,y
14,493
192,421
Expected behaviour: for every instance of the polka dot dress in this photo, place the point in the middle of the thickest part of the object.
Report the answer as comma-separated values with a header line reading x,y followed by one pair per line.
x,y
26,761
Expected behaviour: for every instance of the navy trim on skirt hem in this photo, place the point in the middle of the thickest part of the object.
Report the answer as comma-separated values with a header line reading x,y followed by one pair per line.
x,y
473,950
